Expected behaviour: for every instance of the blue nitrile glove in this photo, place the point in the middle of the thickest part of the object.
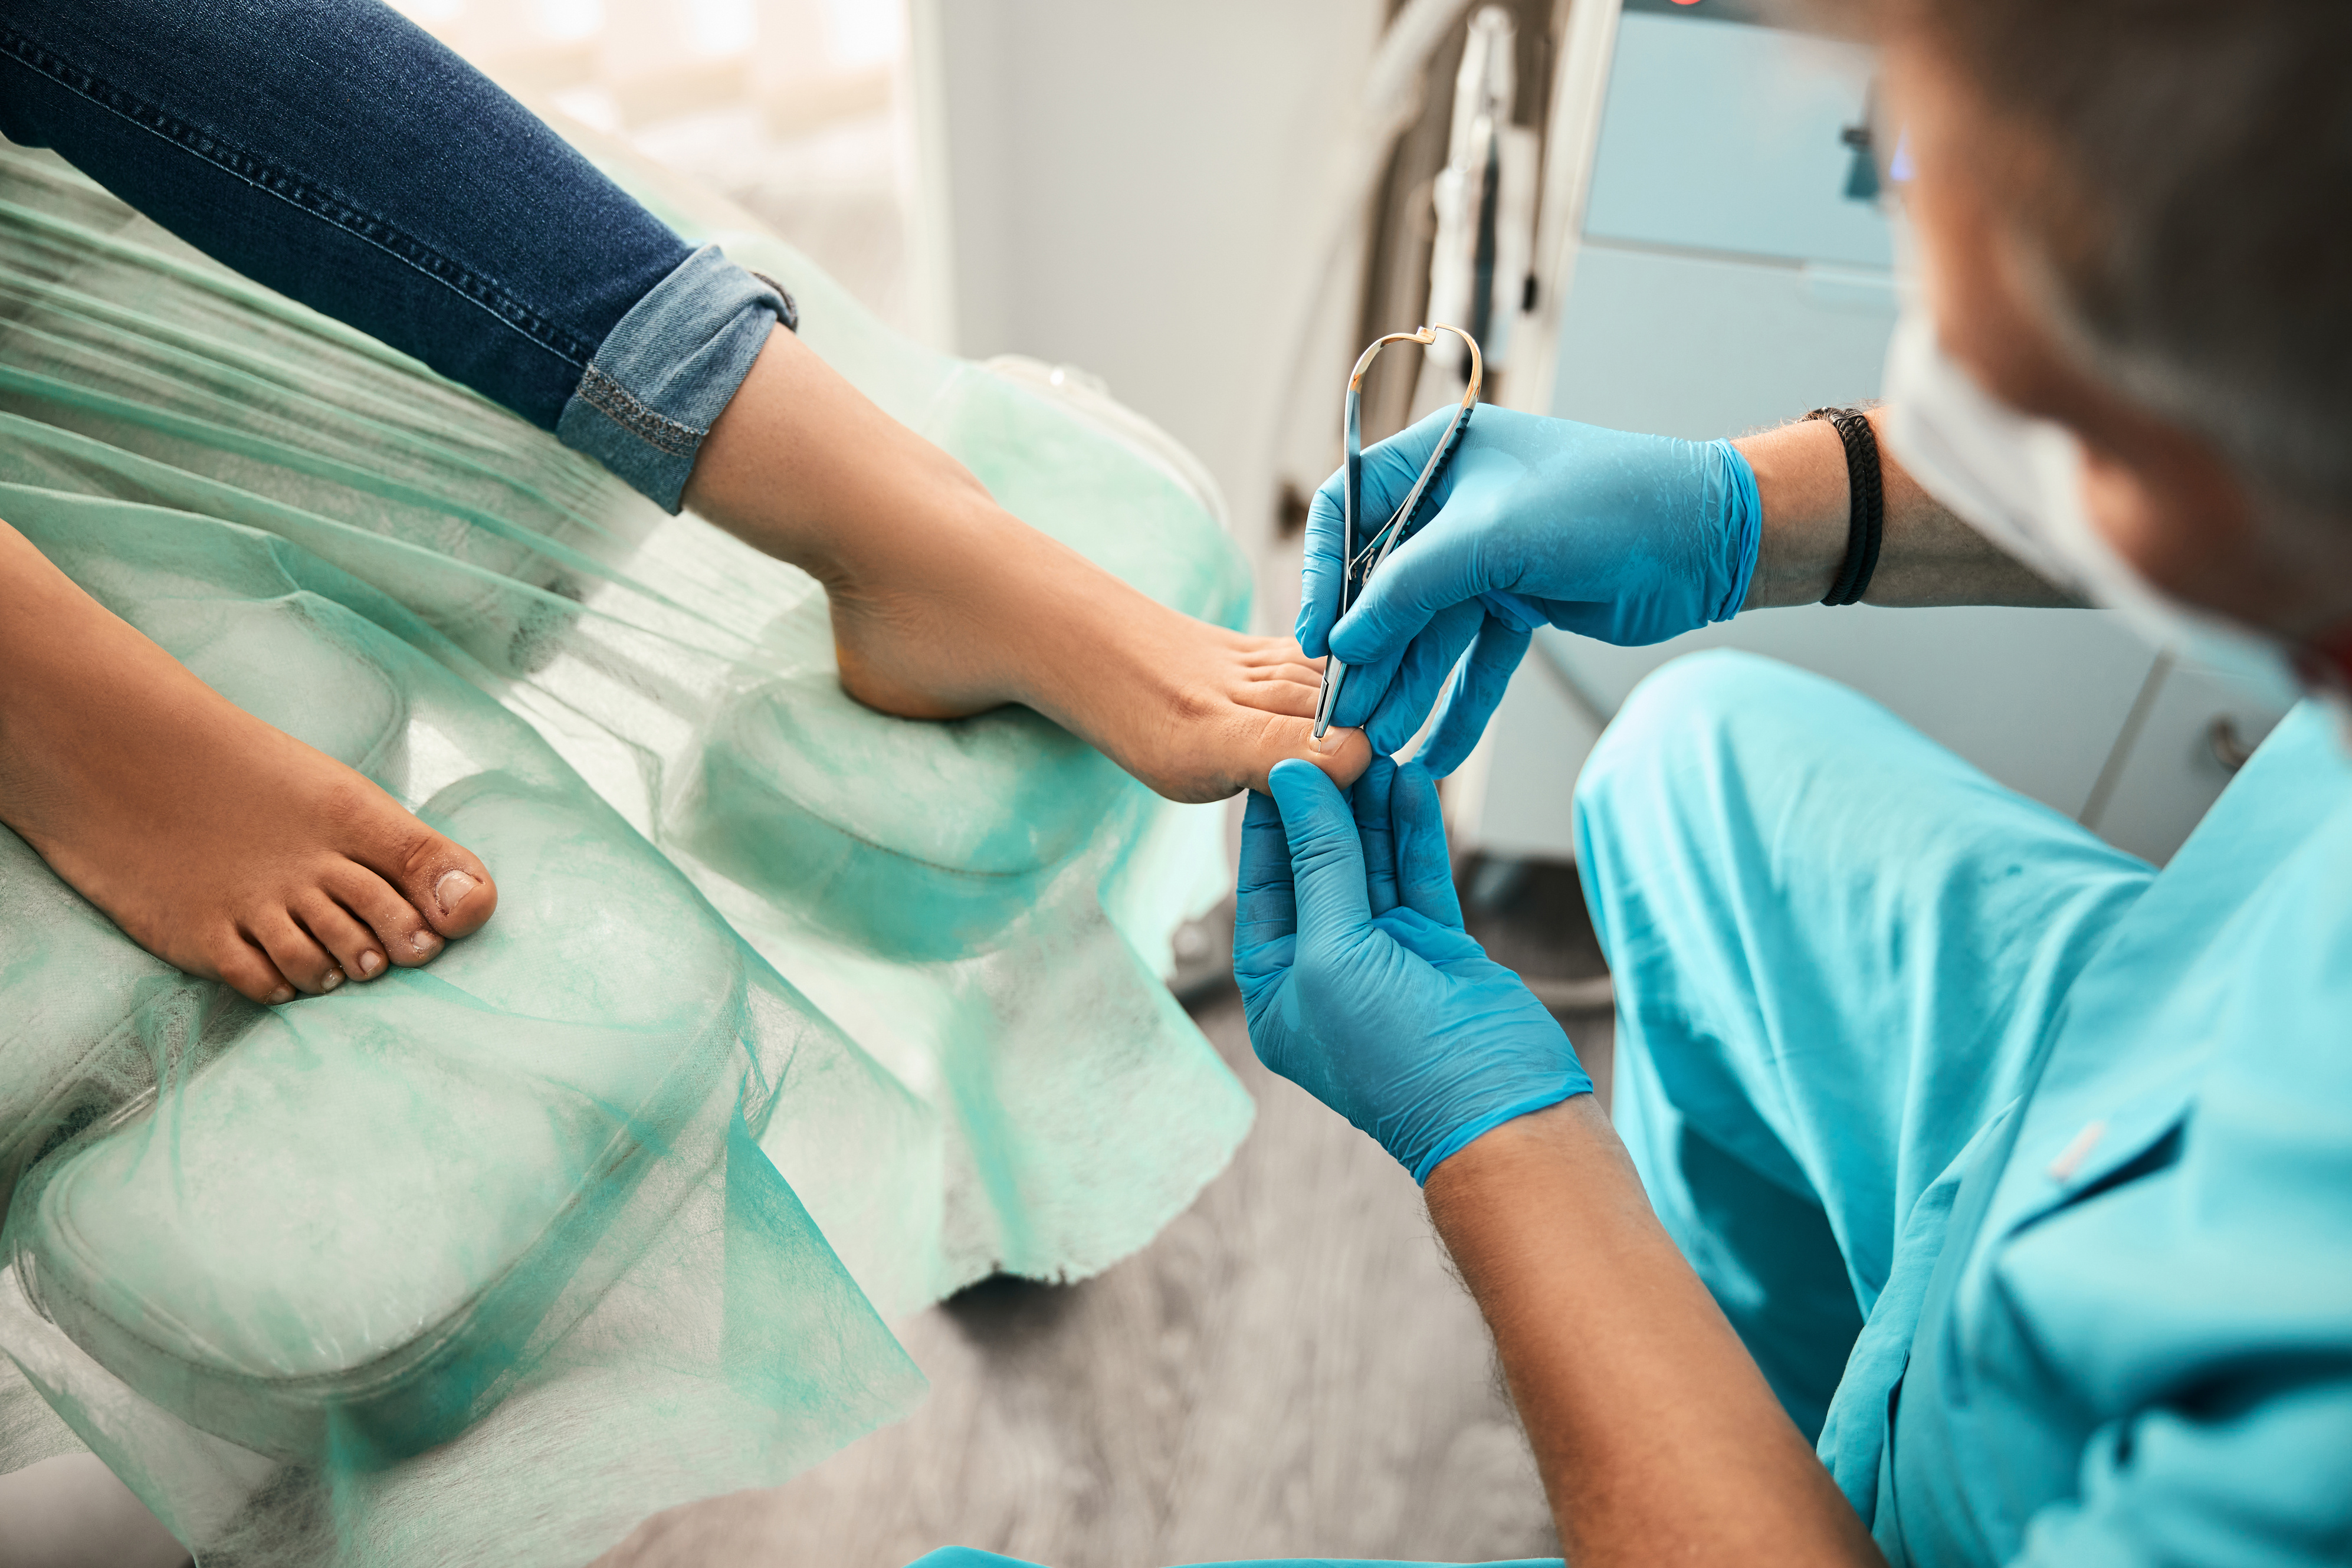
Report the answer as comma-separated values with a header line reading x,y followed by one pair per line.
x,y
1362,987
1630,539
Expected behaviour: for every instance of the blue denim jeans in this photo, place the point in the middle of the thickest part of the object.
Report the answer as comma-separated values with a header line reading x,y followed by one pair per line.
x,y
336,152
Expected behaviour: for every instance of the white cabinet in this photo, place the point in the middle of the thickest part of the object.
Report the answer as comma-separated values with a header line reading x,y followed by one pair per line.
x,y
1726,137
1705,345
2179,746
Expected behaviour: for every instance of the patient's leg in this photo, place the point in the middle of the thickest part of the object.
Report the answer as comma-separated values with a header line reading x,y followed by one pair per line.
x,y
945,605
216,842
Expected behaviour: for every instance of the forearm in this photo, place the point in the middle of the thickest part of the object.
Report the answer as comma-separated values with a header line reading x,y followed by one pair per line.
x,y
1927,556
1658,1439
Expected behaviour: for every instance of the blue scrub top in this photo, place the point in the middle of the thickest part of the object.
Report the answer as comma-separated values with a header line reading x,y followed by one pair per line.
x,y
2134,1344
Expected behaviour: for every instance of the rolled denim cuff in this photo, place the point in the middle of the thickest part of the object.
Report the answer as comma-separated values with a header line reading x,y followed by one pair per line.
x,y
664,371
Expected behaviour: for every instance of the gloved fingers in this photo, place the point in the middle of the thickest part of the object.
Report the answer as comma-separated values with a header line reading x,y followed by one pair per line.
x,y
1320,577
1371,796
1421,676
1327,859
1513,609
1359,698
1265,911
1424,866
1386,476
1446,948
1458,955
1438,567
1472,695
1390,466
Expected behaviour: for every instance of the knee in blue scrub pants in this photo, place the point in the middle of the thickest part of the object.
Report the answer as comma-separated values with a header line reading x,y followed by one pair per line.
x,y
1834,945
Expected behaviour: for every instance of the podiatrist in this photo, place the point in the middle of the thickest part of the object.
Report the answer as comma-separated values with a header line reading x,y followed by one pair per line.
x,y
1976,1193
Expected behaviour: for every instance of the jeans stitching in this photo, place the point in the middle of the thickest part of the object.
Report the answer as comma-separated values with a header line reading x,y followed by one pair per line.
x,y
655,428
300,195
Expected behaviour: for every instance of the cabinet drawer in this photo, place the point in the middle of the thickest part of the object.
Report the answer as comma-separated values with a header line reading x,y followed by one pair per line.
x,y
1699,346
1722,136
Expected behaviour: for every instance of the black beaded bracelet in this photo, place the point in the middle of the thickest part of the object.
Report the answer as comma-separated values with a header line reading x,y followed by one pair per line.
x,y
1866,512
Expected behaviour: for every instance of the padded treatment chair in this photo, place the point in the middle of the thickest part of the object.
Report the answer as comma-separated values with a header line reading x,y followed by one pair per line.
x,y
793,1015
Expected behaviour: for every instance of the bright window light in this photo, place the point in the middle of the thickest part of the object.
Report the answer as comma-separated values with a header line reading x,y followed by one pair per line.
x,y
563,20
865,32
722,27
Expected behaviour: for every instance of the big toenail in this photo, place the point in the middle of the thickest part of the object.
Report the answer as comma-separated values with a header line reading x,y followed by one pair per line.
x,y
370,961
423,942
280,996
452,888
1329,742
334,977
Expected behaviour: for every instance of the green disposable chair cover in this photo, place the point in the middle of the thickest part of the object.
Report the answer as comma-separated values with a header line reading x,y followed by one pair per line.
x,y
792,1017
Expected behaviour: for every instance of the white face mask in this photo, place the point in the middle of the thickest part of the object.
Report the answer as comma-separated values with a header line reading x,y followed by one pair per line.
x,y
2019,481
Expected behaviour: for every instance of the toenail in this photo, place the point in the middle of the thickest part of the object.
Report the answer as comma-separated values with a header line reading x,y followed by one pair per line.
x,y
280,996
451,890
334,977
423,942
370,961
1329,742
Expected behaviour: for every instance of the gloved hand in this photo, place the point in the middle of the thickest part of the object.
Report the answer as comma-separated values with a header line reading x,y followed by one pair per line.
x,y
1362,987
1630,539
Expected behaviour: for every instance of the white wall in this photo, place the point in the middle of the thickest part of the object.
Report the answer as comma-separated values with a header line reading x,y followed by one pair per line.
x,y
1129,185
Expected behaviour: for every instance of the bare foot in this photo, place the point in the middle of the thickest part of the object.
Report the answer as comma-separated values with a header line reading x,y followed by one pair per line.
x,y
944,604
990,611
217,843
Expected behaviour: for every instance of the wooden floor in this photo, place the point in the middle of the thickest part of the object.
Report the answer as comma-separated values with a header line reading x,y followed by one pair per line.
x,y
1289,1370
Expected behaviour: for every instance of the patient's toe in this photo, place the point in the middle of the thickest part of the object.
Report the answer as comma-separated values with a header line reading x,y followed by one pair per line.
x,y
442,879
401,933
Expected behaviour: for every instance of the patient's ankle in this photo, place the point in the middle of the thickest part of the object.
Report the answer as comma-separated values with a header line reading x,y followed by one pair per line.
x,y
803,465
